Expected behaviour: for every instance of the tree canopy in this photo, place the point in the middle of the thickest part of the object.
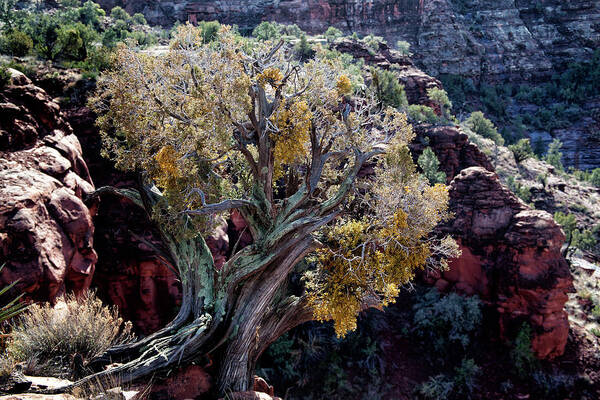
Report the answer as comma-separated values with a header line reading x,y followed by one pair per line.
x,y
321,174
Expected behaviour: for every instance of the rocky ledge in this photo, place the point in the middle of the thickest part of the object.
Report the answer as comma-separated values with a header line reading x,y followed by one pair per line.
x,y
46,231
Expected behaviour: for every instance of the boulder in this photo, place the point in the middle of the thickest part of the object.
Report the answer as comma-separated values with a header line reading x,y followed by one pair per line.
x,y
511,258
46,231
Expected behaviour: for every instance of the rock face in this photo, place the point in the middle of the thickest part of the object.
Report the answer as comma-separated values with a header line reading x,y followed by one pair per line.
x,y
511,259
505,38
46,231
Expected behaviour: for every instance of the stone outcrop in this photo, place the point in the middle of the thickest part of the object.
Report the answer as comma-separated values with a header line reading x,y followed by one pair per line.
x,y
46,231
511,259
468,37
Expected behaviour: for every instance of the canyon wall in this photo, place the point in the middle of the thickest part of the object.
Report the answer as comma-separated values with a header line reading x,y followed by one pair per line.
x,y
489,39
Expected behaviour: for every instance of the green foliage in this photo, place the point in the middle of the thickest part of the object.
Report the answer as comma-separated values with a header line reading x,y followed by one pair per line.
x,y
210,30
311,363
90,14
521,354
523,192
440,97
422,114
430,164
461,385
446,322
584,239
4,76
119,13
522,150
73,41
554,155
13,307
482,126
403,47
139,19
595,177
389,91
458,88
373,42
303,49
438,387
267,31
332,33
16,43
51,336
567,222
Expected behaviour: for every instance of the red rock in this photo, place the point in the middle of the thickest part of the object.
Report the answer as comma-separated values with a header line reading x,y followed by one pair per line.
x,y
260,385
511,258
46,231
184,383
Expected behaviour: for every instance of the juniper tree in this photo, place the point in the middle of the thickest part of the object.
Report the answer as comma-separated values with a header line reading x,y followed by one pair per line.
x,y
240,125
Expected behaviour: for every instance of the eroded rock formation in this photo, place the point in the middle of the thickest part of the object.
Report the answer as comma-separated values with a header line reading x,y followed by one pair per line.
x,y
46,231
511,259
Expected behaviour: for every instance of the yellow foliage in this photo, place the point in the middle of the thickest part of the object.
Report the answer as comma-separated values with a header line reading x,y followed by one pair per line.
x,y
167,169
271,76
343,85
358,270
294,123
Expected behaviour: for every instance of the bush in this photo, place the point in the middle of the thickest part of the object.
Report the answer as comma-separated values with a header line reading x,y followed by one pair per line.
x,y
523,192
521,353
584,240
522,150
119,13
332,33
73,41
430,164
389,91
4,76
440,97
482,126
210,30
51,337
303,49
418,114
373,42
17,43
139,19
460,386
267,31
403,47
554,155
595,177
446,322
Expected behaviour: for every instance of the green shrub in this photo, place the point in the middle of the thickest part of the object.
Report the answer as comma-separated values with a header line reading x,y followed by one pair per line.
x,y
90,14
419,114
210,30
139,19
73,41
522,150
523,192
482,126
4,76
17,43
595,177
554,155
373,42
430,164
440,97
50,337
267,31
438,387
460,386
446,322
521,353
403,47
333,33
119,13
584,240
303,49
389,91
